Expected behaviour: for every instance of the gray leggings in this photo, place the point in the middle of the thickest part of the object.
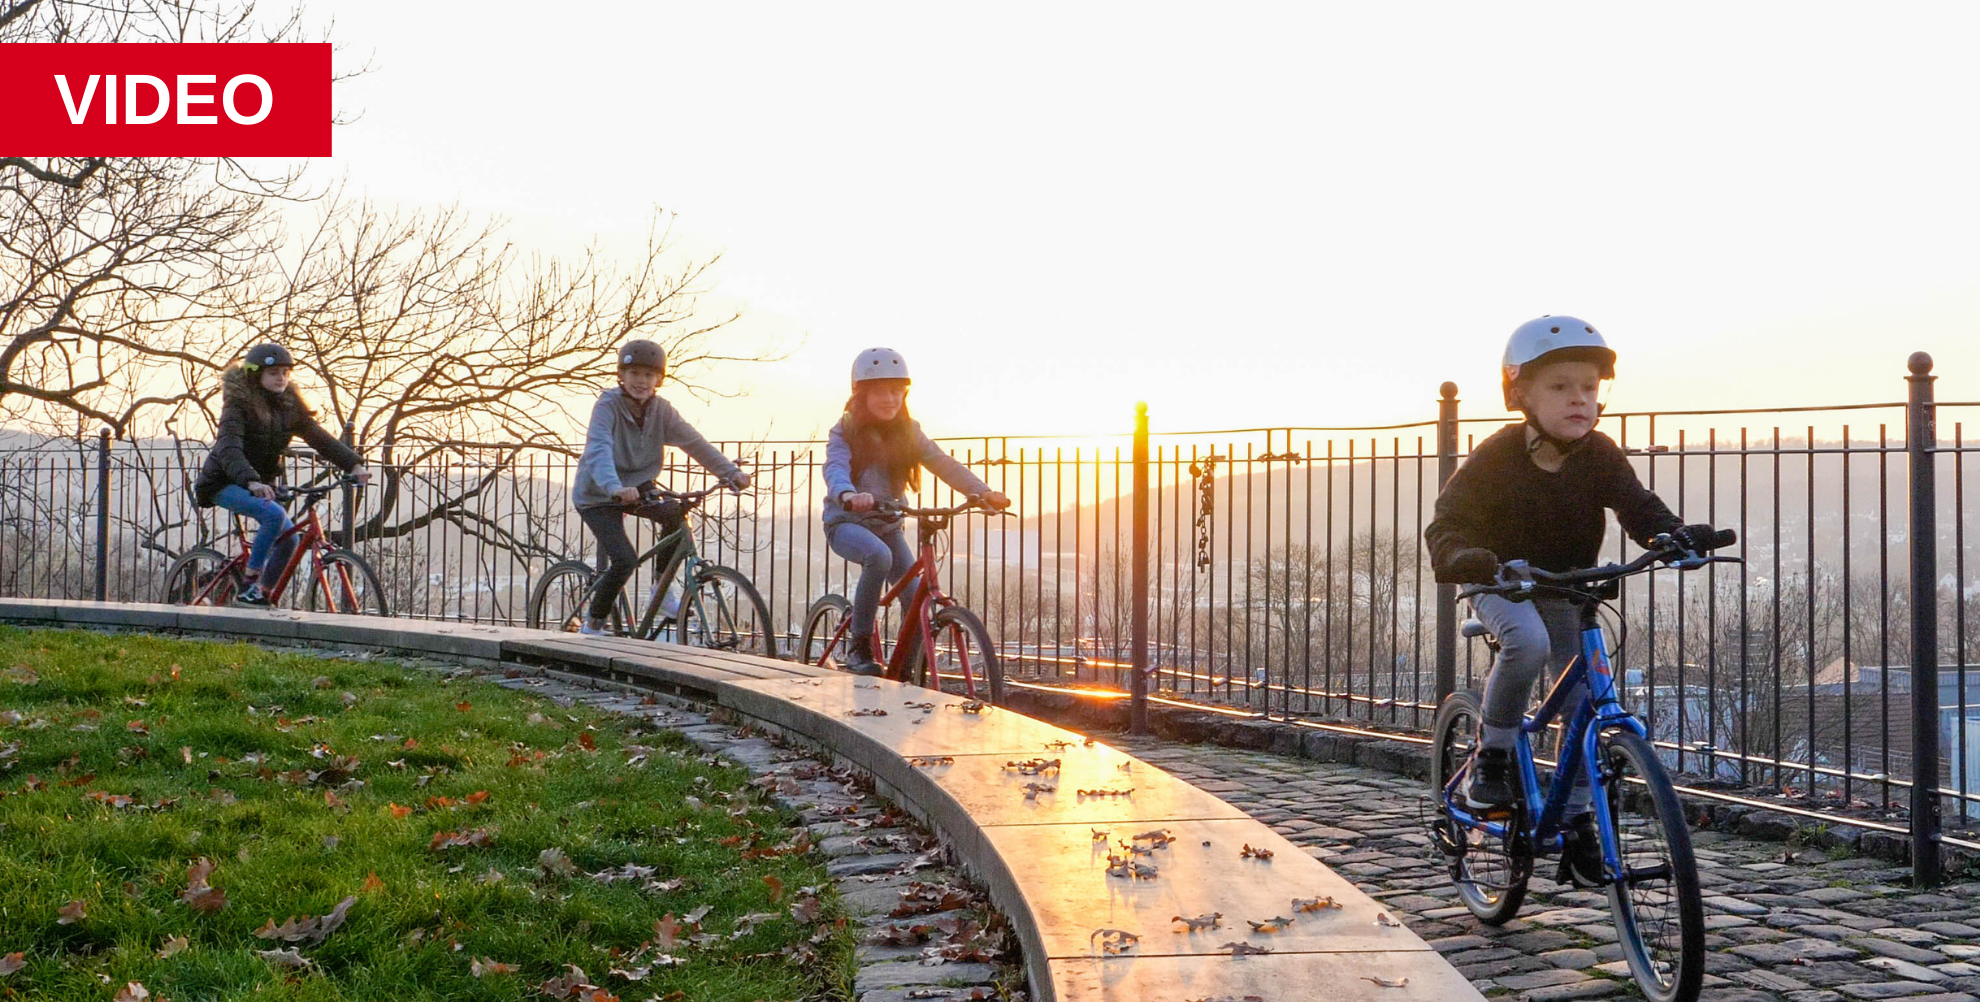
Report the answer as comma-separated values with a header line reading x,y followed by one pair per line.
x,y
1542,633
882,559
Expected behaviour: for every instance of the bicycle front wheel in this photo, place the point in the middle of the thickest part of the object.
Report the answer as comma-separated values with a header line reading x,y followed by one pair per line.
x,y
558,599
1659,915
724,612
962,650
1489,871
343,582
202,577
821,624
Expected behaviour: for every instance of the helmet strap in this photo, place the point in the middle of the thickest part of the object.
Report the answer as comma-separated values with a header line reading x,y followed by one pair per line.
x,y
1565,446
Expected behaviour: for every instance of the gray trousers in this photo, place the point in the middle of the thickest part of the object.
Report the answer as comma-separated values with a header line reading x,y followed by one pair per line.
x,y
1541,633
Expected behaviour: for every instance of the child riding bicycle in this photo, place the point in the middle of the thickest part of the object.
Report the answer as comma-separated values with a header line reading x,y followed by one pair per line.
x,y
631,427
260,412
1536,491
875,455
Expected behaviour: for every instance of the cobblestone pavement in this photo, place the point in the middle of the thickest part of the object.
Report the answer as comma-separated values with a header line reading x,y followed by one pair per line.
x,y
1809,929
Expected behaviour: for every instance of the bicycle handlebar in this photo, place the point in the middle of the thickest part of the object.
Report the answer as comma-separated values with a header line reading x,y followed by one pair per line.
x,y
973,504
687,499
1519,581
285,493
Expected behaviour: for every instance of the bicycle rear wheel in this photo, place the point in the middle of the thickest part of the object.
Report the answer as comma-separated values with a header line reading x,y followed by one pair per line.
x,y
1489,871
558,599
353,586
724,612
202,577
821,624
1659,914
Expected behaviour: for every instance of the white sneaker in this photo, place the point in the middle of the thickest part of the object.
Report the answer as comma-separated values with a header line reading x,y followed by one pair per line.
x,y
593,628
670,606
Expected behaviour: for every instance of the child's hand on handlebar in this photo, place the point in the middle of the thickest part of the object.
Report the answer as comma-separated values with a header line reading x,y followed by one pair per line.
x,y
861,502
1475,565
360,475
261,490
739,482
626,495
996,500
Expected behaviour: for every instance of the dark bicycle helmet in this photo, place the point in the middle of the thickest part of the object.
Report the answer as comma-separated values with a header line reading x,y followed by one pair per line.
x,y
642,352
262,356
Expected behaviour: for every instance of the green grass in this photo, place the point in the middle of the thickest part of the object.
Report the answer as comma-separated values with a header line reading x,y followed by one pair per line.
x,y
255,722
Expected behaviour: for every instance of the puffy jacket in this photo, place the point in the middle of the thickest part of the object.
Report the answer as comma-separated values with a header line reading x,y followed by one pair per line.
x,y
255,429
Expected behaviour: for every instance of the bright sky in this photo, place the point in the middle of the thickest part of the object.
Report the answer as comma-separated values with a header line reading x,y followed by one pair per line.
x,y
1244,214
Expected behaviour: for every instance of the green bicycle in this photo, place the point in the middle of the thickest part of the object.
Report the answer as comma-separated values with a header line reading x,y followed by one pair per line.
x,y
719,609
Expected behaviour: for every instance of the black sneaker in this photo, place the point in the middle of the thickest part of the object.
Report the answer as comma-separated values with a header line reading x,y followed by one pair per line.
x,y
1491,790
1581,861
252,596
859,657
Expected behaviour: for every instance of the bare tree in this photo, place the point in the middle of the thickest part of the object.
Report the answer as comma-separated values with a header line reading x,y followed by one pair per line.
x,y
115,272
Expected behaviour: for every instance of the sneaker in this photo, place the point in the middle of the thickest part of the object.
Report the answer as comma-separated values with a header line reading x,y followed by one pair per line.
x,y
670,606
252,596
1581,861
594,628
1491,789
859,656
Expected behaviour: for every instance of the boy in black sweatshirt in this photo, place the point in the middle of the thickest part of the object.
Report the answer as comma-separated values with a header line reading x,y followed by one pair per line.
x,y
1536,492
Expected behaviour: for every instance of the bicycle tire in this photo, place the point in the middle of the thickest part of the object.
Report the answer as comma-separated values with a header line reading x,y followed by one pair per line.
x,y
1489,873
962,631
195,568
821,622
557,600
733,615
346,566
1671,876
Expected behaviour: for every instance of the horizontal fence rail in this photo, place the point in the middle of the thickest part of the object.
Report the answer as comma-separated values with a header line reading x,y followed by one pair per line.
x,y
1286,573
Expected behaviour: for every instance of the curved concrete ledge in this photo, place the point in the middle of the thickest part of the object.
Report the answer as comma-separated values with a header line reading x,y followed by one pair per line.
x,y
1039,851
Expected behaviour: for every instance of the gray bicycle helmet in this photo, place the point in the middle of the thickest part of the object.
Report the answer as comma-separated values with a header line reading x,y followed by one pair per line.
x,y
879,363
643,352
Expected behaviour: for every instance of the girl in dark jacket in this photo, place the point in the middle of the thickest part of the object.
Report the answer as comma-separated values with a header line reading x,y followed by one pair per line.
x,y
260,411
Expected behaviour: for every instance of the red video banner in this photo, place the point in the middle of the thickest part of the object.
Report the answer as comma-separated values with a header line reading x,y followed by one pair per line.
x,y
166,100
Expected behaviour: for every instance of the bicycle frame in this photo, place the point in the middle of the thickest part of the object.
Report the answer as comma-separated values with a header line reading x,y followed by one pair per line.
x,y
307,531
920,621
1601,711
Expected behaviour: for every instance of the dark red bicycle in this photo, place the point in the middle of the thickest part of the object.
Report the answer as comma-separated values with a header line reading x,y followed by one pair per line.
x,y
961,651
339,579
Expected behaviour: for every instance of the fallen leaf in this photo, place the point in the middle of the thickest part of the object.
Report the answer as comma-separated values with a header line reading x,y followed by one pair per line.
x,y
1386,983
314,929
776,888
185,752
667,931
554,863
133,992
334,802
464,706
477,838
485,966
1382,918
372,884
12,962
321,682
397,811
175,944
288,959
585,741
475,798
71,913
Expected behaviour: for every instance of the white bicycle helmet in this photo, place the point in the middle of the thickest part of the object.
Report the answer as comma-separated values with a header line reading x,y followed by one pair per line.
x,y
1553,339
879,363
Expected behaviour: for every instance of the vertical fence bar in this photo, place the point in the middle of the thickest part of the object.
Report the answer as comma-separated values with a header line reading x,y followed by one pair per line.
x,y
1921,441
103,515
1447,430
1138,676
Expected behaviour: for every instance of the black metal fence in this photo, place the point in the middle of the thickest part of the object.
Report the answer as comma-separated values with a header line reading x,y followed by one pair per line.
x,y
1285,570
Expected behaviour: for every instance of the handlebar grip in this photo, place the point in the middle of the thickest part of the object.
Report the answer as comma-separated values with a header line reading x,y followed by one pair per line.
x,y
1722,539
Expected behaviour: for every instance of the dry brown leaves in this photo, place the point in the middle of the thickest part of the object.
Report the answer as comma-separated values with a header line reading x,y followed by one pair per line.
x,y
478,838
199,895
314,929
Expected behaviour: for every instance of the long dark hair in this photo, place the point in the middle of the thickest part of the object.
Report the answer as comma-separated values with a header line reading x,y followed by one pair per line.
x,y
888,445
264,408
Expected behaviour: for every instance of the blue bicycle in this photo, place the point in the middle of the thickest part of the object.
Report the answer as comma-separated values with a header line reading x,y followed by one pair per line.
x,y
1647,865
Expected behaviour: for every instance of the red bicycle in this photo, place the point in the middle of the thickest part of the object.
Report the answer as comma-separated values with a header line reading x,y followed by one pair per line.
x,y
961,648
339,579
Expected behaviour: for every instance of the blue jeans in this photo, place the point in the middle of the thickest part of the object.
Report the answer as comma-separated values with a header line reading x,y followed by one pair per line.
x,y
273,518
882,559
